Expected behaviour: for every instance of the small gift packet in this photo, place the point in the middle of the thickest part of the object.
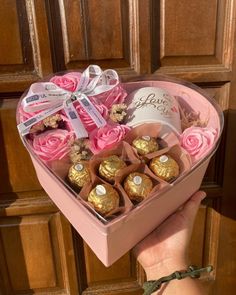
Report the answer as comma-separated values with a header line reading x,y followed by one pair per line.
x,y
145,139
147,142
169,164
106,164
106,201
138,183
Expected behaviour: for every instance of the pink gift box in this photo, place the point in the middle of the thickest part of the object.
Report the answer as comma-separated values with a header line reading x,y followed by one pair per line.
x,y
110,240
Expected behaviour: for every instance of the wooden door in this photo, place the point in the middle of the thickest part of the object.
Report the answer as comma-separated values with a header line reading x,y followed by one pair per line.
x,y
36,251
39,252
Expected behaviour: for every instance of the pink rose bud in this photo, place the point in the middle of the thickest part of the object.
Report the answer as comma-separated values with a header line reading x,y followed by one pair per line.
x,y
107,137
52,145
198,141
68,81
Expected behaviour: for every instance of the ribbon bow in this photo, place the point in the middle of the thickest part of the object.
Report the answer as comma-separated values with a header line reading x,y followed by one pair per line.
x,y
49,98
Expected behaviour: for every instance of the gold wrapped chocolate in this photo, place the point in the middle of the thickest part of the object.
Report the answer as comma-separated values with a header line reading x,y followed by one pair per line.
x,y
79,175
110,166
165,167
138,186
145,145
104,198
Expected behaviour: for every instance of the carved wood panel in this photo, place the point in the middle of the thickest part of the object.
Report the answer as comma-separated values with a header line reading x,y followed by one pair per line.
x,y
9,17
25,49
213,178
17,172
225,272
107,34
35,255
195,40
120,276
36,242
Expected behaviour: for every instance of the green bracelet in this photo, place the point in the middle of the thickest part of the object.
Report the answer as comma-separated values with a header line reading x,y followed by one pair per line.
x,y
192,271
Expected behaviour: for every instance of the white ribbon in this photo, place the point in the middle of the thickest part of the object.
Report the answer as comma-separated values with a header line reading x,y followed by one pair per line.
x,y
49,98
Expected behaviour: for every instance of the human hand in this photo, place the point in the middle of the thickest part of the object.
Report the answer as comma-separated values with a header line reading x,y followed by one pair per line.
x,y
165,249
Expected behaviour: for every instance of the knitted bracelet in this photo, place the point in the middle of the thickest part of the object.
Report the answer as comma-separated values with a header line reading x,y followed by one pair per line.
x,y
192,271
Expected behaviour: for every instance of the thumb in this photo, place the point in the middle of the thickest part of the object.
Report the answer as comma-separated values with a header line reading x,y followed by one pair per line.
x,y
192,205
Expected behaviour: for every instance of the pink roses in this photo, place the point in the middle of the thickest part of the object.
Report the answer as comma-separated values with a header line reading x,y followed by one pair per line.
x,y
71,80
198,141
53,144
102,102
88,122
115,96
106,137
68,81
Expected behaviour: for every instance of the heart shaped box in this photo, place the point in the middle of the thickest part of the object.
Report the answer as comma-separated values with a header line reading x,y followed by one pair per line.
x,y
110,240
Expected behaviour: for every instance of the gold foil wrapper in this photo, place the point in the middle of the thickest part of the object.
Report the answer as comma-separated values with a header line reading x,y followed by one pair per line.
x,y
165,167
138,186
110,167
79,175
145,145
104,198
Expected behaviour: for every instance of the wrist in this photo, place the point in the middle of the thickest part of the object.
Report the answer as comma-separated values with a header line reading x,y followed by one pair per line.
x,y
165,268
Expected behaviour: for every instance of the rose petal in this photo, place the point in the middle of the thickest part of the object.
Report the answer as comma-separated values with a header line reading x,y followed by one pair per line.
x,y
107,137
52,144
198,141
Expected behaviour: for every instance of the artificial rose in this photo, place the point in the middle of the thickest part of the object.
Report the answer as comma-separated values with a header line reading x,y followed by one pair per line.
x,y
24,116
68,81
198,141
114,96
107,137
86,119
53,144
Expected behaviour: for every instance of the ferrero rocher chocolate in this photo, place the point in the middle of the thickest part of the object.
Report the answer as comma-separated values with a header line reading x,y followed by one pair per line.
x,y
138,186
165,167
79,175
110,166
104,198
145,145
